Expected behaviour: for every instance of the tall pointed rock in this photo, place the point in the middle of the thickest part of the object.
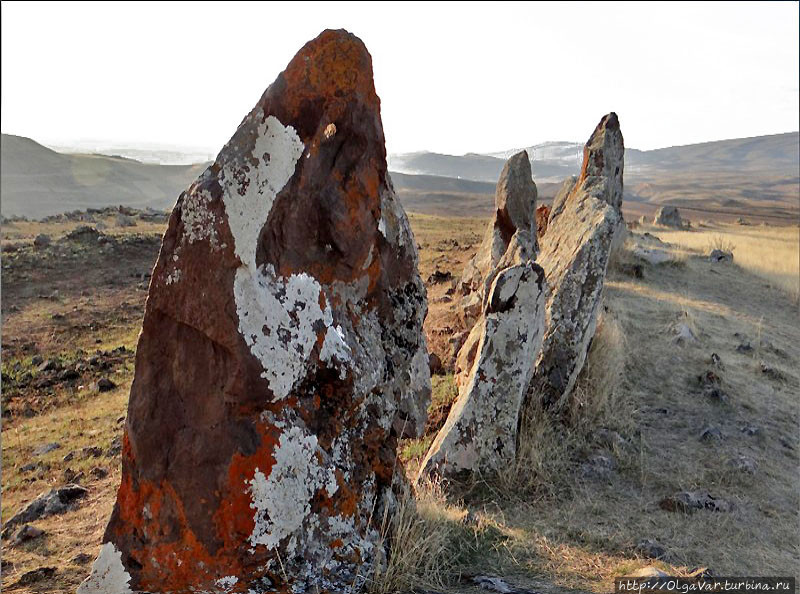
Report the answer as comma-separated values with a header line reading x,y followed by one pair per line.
x,y
574,254
281,355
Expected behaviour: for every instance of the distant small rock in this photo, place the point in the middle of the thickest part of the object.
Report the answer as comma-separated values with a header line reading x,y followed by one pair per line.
x,y
81,559
105,385
84,234
720,256
598,466
49,365
710,433
750,430
716,361
98,472
91,452
123,220
683,334
42,240
651,549
36,575
46,448
772,373
439,277
742,463
26,533
712,386
690,501
744,347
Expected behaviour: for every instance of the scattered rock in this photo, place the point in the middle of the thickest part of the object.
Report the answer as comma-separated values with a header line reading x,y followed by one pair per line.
x,y
105,385
123,220
720,256
598,466
683,334
36,575
439,277
91,452
668,216
115,448
744,347
651,549
81,559
496,584
772,373
46,448
584,223
742,463
711,384
654,256
750,430
716,361
711,433
690,501
281,356
84,234
56,501
42,240
49,365
98,472
26,533
70,476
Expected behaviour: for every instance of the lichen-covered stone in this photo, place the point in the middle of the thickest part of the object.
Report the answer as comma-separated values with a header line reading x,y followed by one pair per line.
x,y
481,430
515,206
281,356
668,216
575,256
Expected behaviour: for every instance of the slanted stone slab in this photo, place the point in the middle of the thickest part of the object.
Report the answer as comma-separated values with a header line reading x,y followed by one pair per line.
x,y
574,256
481,430
281,356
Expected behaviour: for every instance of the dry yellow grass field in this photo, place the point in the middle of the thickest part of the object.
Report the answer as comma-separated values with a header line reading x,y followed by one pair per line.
x,y
556,521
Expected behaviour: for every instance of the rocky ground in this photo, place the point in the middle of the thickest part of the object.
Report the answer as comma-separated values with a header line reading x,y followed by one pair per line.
x,y
704,420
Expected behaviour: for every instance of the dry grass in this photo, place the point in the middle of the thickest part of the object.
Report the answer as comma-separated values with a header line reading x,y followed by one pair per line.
x,y
771,253
423,539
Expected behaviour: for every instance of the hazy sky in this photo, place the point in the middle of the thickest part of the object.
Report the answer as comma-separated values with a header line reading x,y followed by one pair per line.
x,y
454,77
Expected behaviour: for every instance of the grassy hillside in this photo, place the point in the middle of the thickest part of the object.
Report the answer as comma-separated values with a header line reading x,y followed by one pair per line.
x,y
37,181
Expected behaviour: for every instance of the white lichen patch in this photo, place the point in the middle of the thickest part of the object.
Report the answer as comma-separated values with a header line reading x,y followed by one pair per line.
x,y
249,189
108,574
335,345
277,318
199,223
227,582
282,500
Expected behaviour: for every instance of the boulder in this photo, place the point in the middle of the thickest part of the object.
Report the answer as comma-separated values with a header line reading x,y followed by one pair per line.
x,y
281,356
668,216
41,240
515,208
575,257
480,433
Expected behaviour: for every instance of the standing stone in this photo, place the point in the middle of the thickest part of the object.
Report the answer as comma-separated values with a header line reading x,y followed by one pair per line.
x,y
668,216
515,207
480,433
281,356
542,217
575,257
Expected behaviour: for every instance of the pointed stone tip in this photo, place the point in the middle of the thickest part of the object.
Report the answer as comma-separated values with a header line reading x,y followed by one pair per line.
x,y
335,60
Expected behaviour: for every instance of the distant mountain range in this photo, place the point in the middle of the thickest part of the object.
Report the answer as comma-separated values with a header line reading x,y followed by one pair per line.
x,y
759,175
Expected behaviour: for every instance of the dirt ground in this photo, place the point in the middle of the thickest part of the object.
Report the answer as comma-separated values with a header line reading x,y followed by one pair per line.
x,y
71,315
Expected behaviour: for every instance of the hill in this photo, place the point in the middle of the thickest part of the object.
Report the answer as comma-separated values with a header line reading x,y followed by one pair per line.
x,y
37,181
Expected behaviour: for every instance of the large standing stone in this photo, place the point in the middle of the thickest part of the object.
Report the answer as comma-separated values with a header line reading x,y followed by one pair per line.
x,y
575,257
515,207
480,433
668,216
281,355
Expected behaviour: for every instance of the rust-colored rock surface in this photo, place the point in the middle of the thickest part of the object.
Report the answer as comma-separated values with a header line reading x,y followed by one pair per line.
x,y
281,355
542,216
583,221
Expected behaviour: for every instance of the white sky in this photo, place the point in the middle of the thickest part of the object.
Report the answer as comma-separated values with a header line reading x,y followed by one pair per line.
x,y
453,77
